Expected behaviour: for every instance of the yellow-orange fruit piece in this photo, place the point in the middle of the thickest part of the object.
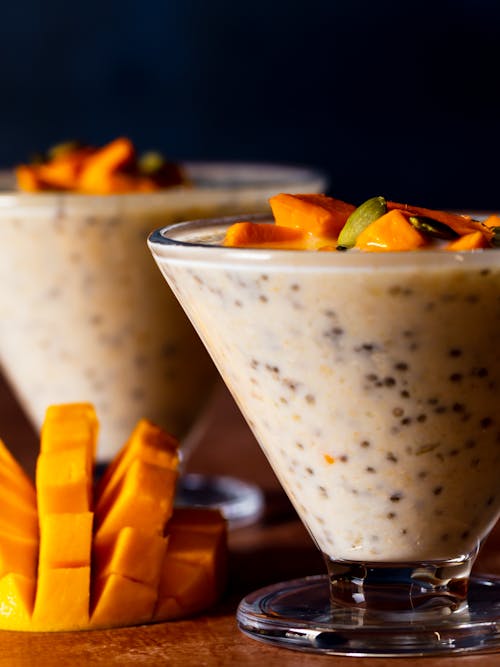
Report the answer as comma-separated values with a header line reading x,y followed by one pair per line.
x,y
198,520
18,487
18,554
391,231
149,443
195,566
62,599
314,213
261,234
62,172
65,540
70,425
473,241
132,553
492,221
17,594
102,164
63,482
121,601
144,496
461,224
27,178
189,585
11,468
15,517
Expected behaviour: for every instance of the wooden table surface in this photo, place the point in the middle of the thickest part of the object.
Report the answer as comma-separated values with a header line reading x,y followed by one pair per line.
x,y
276,549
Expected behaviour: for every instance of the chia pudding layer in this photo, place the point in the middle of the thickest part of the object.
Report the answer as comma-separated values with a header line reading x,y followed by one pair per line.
x,y
370,381
86,313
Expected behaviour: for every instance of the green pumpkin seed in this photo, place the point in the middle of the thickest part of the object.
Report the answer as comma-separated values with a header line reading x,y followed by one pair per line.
x,y
64,147
433,228
496,237
360,218
150,163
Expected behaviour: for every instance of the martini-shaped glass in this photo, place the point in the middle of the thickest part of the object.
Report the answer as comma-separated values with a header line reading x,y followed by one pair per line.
x,y
86,315
371,383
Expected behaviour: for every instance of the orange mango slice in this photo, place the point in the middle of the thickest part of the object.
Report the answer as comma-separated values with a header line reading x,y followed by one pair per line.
x,y
65,540
314,213
259,234
142,565
132,553
148,443
63,481
62,599
472,241
17,594
122,601
145,491
391,231
18,555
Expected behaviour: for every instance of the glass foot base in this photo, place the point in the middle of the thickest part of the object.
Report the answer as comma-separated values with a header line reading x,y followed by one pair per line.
x,y
241,503
298,615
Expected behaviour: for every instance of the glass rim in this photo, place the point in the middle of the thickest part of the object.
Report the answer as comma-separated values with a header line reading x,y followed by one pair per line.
x,y
209,177
167,243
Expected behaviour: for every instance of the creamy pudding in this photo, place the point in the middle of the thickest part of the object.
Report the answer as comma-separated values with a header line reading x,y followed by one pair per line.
x,y
86,315
370,380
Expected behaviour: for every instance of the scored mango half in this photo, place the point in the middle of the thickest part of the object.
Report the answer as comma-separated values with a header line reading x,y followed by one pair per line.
x,y
75,558
322,223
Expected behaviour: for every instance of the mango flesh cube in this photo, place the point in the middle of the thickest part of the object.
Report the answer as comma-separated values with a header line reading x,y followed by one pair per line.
x,y
10,465
196,519
65,540
168,609
133,553
67,425
16,517
62,599
17,594
18,555
63,481
20,485
121,601
150,444
192,587
144,497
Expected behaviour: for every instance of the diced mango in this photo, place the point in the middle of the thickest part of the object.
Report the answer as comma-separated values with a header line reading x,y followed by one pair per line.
x,y
12,500
12,468
62,599
255,234
70,425
190,585
18,554
492,220
314,213
132,553
18,487
65,540
63,481
391,231
97,173
150,444
121,601
473,241
17,594
17,518
48,585
197,519
145,495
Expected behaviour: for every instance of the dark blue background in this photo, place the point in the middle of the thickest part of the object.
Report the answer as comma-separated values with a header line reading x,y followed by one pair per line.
x,y
394,98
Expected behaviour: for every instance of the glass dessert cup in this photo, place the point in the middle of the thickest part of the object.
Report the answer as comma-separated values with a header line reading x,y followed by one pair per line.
x,y
87,319
370,381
